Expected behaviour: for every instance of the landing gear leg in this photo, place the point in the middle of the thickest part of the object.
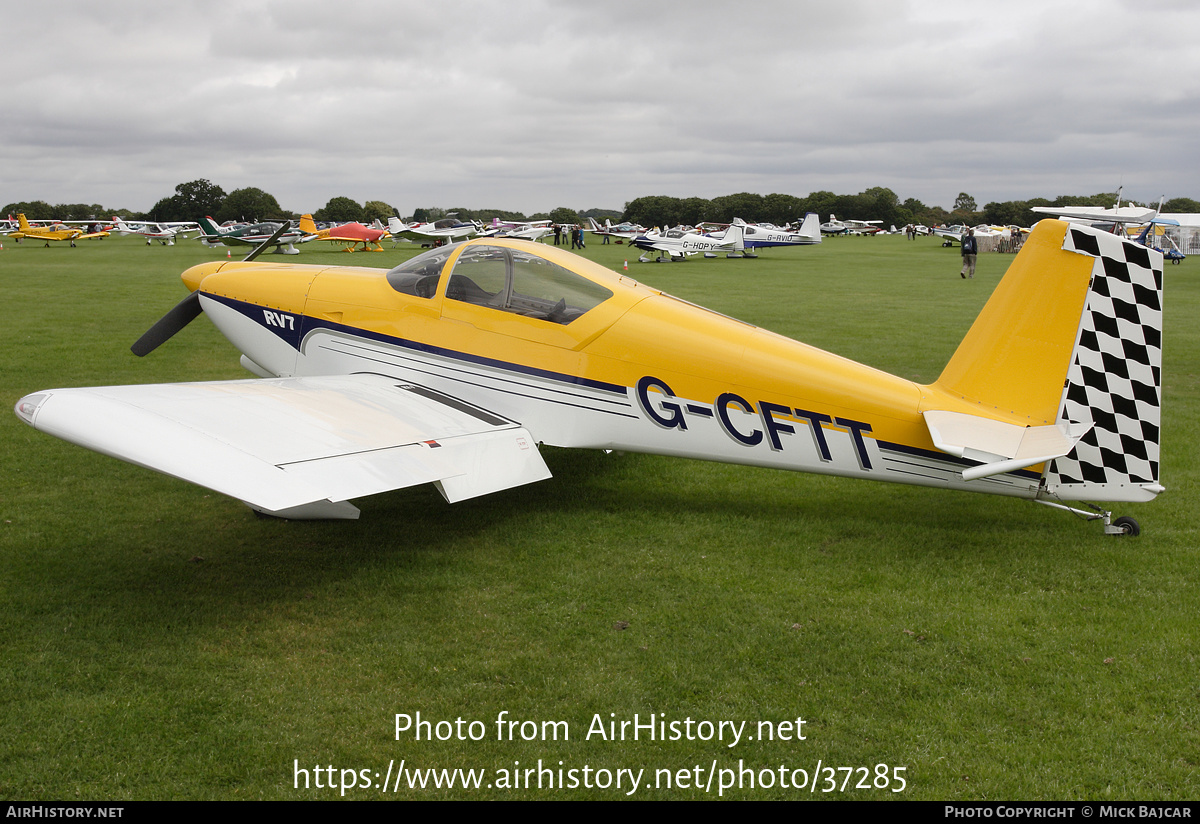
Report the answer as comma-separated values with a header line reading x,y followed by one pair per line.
x,y
1118,526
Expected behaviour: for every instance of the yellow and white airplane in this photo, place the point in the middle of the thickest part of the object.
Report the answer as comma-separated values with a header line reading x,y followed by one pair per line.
x,y
455,366
57,231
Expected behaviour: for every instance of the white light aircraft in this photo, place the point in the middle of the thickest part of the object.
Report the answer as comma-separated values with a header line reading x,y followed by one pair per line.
x,y
164,233
833,226
677,244
525,230
446,230
762,237
624,231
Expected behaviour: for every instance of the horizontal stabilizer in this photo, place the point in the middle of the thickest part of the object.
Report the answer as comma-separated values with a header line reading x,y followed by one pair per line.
x,y
999,446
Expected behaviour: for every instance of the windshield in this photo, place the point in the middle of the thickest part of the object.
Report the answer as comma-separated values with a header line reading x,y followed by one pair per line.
x,y
419,276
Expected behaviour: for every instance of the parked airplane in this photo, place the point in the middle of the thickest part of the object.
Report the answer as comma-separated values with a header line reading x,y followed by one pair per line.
x,y
438,232
350,234
760,237
525,230
453,367
834,227
863,227
54,232
679,243
622,231
252,235
164,233
953,234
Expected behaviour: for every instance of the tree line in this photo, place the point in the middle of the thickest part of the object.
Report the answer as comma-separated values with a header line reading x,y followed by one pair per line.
x,y
198,198
877,203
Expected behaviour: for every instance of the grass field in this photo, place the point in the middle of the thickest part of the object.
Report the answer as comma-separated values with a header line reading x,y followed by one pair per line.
x,y
159,641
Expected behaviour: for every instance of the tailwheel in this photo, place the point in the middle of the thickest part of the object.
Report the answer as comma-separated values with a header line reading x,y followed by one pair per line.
x,y
1125,526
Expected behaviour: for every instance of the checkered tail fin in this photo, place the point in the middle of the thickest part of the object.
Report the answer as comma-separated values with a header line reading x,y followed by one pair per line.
x,y
1114,380
1071,338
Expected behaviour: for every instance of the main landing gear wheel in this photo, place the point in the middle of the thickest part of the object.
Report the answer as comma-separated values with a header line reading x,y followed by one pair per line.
x,y
1127,526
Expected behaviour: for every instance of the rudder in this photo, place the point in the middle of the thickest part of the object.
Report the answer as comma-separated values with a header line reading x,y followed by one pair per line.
x,y
1115,377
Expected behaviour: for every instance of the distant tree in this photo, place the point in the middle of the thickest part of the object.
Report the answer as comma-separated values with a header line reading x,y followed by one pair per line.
x,y
32,209
565,216
964,203
823,203
191,201
601,214
377,210
198,198
250,204
693,210
340,210
749,207
654,210
1182,204
880,203
428,215
1105,199
912,211
80,211
781,209
1009,213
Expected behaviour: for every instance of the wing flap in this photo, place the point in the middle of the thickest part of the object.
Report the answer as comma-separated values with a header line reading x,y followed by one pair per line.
x,y
278,444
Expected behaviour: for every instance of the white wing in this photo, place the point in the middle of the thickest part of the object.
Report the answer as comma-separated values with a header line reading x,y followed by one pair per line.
x,y
296,447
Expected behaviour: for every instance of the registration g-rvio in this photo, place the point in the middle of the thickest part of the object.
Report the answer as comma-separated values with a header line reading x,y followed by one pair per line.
x,y
454,367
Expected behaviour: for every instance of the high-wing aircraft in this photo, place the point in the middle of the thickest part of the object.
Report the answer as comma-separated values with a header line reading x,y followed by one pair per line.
x,y
953,234
350,234
863,227
851,227
1097,214
54,232
446,230
252,235
453,368
164,233
679,243
833,226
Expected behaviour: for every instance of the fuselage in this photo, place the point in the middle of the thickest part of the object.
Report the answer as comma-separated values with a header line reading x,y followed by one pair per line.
x,y
641,371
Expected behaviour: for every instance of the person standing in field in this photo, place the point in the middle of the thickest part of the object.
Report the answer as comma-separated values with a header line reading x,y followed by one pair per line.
x,y
970,250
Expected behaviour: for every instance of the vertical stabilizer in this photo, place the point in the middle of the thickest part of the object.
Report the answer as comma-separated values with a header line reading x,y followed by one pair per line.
x,y
810,229
1072,337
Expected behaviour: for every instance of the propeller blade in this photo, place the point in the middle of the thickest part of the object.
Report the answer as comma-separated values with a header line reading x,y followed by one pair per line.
x,y
184,313
260,248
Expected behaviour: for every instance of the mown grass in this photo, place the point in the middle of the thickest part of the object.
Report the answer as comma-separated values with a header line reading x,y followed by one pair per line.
x,y
162,642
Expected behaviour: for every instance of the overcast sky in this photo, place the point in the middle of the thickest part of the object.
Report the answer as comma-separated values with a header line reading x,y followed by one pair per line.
x,y
529,105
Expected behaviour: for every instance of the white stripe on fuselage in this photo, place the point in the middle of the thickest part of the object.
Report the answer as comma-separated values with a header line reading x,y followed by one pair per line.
x,y
560,412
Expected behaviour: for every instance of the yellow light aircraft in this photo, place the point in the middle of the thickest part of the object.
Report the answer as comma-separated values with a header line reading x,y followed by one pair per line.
x,y
58,231
453,367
